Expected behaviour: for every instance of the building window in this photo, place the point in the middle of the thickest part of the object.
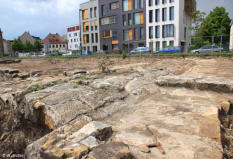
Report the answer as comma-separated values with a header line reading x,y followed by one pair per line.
x,y
126,35
107,33
136,34
168,30
171,1
96,24
164,44
157,31
69,35
151,32
127,5
150,16
151,46
96,37
138,18
85,26
140,3
114,5
74,40
124,20
157,46
130,19
92,38
75,34
86,38
157,15
95,12
114,35
92,25
91,12
164,14
64,45
103,10
142,33
85,14
135,4
171,43
150,3
171,13
109,20
164,1
157,2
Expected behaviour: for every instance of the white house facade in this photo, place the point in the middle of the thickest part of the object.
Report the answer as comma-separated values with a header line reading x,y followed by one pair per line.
x,y
168,23
231,37
73,38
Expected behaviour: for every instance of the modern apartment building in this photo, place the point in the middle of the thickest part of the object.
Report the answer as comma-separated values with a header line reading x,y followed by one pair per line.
x,y
73,38
89,22
168,22
122,24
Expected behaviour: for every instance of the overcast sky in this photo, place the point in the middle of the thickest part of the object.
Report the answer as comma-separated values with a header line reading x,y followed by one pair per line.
x,y
41,17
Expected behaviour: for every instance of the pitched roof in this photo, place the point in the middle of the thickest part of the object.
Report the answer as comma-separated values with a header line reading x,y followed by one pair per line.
x,y
53,39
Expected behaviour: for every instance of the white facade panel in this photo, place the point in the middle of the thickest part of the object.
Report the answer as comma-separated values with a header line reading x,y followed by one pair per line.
x,y
180,22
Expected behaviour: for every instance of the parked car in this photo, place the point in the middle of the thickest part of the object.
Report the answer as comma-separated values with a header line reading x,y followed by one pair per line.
x,y
140,50
85,53
173,49
207,48
100,52
54,54
69,53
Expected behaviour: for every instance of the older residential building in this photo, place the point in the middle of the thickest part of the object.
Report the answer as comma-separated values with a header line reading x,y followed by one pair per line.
x,y
7,47
168,23
122,24
28,37
1,44
53,42
89,21
73,38
231,37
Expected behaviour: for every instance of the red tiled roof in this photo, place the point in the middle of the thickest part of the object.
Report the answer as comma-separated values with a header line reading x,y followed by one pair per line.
x,y
53,39
73,28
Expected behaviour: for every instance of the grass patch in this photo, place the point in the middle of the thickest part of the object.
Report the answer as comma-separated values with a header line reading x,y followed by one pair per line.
x,y
39,87
124,55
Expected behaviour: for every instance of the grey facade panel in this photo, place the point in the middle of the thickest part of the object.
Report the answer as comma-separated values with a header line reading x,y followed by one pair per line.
x,y
123,45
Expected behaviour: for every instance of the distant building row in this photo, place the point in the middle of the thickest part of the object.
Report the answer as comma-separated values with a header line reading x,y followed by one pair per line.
x,y
117,25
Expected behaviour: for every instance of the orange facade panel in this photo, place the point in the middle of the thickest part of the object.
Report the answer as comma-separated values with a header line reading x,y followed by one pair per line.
x,y
85,14
141,18
130,4
130,34
115,42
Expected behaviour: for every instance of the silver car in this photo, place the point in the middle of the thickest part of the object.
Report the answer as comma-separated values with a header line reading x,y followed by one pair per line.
x,y
207,48
140,50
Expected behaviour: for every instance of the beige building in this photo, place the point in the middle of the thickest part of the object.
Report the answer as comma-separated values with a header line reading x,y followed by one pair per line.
x,y
7,47
231,37
27,37
54,42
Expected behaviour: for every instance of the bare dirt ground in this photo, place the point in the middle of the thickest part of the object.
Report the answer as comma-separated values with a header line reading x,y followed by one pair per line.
x,y
167,107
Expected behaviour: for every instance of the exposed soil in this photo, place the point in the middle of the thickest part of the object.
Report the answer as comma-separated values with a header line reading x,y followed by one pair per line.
x,y
16,132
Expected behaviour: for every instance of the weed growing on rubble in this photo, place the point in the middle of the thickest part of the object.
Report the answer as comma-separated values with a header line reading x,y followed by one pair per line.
x,y
104,65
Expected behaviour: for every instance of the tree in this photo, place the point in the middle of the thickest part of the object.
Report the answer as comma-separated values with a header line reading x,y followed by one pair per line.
x,y
17,45
216,24
37,46
28,47
197,19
